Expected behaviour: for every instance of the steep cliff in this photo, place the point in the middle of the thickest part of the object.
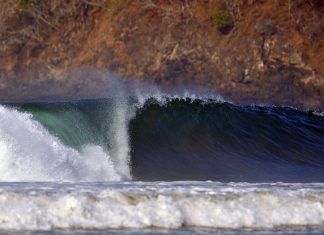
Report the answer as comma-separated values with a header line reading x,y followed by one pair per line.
x,y
261,51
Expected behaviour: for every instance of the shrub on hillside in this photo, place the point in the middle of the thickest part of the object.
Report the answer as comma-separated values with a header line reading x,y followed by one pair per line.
x,y
222,19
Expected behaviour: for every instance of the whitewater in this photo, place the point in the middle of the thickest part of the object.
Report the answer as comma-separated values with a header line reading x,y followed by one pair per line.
x,y
160,162
139,205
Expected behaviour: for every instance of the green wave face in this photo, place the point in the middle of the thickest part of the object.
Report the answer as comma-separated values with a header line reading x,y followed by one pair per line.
x,y
77,124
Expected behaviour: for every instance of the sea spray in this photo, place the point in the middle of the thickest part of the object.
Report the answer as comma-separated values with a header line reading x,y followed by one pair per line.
x,y
123,111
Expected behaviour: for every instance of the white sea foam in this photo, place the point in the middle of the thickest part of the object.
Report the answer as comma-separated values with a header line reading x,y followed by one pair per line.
x,y
162,97
319,114
164,205
28,152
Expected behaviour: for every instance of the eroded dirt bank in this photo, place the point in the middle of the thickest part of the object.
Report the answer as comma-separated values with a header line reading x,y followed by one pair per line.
x,y
261,51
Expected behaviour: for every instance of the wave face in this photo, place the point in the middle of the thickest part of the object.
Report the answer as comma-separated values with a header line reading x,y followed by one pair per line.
x,y
205,140
159,139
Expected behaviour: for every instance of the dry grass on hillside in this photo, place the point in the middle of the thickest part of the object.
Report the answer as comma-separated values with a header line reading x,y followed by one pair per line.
x,y
34,20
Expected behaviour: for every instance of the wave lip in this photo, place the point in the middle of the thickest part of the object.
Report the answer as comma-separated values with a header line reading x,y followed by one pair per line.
x,y
163,205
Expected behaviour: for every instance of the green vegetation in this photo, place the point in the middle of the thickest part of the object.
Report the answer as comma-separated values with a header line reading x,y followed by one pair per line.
x,y
115,6
28,4
221,18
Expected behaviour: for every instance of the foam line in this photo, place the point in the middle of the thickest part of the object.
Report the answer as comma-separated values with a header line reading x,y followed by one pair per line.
x,y
164,206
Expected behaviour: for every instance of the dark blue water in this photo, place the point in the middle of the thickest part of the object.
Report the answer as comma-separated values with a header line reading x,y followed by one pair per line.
x,y
197,140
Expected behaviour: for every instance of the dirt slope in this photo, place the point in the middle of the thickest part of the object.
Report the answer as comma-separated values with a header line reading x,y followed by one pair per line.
x,y
262,51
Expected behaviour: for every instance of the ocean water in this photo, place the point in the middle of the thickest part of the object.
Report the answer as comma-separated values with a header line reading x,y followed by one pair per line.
x,y
160,164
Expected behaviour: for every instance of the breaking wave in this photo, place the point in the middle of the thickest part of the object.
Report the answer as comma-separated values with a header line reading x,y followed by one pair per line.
x,y
28,152
159,138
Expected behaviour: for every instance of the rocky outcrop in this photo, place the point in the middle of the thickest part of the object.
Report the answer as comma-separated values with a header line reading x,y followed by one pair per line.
x,y
269,52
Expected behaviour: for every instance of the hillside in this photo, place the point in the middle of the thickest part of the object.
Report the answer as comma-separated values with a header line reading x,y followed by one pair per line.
x,y
248,51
